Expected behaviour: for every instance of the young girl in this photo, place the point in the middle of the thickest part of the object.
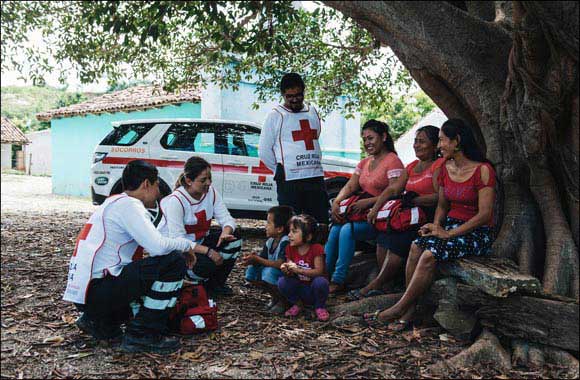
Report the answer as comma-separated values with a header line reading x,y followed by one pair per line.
x,y
304,268
264,268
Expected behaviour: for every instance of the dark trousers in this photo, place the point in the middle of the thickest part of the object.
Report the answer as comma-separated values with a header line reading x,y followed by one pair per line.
x,y
315,293
305,196
153,282
216,275
205,268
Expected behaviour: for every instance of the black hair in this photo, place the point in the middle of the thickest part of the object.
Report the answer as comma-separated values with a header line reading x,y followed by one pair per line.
x,y
136,172
432,133
193,167
318,232
453,128
291,80
282,215
381,128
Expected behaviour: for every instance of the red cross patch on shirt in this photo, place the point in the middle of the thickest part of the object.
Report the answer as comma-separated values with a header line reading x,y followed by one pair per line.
x,y
305,134
201,227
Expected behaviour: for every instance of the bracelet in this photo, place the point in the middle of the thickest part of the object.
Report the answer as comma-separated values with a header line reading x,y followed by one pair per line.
x,y
207,252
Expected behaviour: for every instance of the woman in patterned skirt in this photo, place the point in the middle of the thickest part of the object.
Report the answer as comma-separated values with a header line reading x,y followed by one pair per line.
x,y
463,223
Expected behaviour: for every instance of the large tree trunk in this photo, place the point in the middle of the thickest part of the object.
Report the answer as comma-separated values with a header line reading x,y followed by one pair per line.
x,y
515,80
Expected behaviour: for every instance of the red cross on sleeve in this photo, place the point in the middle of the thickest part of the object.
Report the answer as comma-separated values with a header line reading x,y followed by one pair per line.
x,y
82,236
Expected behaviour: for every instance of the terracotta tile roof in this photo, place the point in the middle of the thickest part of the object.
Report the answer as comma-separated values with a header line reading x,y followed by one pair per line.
x,y
130,99
11,134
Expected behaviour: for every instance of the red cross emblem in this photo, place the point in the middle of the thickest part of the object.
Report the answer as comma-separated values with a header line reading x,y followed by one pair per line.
x,y
201,227
262,169
82,236
305,134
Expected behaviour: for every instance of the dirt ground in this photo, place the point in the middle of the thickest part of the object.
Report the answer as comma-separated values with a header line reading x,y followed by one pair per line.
x,y
39,338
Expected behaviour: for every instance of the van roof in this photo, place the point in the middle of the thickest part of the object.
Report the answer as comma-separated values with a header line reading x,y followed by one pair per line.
x,y
184,120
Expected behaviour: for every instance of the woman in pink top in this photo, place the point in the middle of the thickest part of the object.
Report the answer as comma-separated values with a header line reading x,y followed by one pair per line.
x,y
420,178
380,171
463,223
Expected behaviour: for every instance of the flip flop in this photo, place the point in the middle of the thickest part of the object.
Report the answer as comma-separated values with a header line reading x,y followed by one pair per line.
x,y
400,325
373,320
354,295
373,293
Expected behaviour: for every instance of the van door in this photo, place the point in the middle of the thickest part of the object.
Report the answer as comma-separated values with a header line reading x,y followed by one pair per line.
x,y
183,140
247,182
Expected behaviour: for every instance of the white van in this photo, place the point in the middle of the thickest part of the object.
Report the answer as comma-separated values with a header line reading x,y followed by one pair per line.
x,y
231,147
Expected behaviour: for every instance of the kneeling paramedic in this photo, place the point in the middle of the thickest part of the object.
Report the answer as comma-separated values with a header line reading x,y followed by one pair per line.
x,y
110,281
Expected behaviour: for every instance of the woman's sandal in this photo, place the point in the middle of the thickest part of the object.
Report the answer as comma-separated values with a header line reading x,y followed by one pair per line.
x,y
400,325
373,293
373,320
356,295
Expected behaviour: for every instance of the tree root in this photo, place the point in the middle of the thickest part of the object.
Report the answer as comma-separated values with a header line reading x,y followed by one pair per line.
x,y
487,348
525,354
366,305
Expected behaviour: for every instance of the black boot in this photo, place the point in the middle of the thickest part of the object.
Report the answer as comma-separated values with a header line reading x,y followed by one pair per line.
x,y
157,344
222,290
98,329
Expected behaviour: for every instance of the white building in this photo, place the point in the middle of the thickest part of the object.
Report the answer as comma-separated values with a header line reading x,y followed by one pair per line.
x,y
404,144
38,154
10,135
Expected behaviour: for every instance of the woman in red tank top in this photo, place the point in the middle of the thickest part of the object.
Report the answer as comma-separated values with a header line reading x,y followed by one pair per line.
x,y
463,223
420,178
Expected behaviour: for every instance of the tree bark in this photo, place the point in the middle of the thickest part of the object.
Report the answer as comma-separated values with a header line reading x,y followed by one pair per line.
x,y
552,322
515,80
487,349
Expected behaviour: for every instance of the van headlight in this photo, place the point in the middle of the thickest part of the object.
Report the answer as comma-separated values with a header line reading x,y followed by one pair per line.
x,y
99,156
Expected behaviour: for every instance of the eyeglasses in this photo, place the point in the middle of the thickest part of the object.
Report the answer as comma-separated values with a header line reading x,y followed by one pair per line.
x,y
294,96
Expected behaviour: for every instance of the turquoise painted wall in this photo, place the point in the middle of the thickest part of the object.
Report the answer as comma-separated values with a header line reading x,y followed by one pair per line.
x,y
74,140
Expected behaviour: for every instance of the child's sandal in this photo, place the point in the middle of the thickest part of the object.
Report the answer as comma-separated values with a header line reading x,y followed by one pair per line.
x,y
293,311
322,314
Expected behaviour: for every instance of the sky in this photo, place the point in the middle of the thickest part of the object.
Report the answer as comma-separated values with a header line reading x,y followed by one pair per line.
x,y
11,78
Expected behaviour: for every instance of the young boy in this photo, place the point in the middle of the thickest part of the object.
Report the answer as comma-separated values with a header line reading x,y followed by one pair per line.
x,y
264,269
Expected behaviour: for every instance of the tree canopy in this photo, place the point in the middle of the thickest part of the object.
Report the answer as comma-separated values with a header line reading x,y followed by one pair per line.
x,y
184,43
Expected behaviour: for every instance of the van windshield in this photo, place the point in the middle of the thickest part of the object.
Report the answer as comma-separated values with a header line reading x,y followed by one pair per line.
x,y
127,134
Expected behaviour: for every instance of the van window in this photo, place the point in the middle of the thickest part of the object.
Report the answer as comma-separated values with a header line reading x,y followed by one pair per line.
x,y
243,140
127,134
189,137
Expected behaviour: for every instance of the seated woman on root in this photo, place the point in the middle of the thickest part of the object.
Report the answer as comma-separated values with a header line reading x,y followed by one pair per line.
x,y
463,223
377,174
421,189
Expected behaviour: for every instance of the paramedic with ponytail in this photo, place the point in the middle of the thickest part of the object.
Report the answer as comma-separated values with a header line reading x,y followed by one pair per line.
x,y
108,279
188,212
289,147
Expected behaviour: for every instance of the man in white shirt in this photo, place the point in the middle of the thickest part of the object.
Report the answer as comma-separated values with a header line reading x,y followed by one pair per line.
x,y
289,147
108,279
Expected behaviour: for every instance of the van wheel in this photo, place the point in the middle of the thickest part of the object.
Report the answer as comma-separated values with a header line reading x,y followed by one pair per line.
x,y
333,187
117,189
164,189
